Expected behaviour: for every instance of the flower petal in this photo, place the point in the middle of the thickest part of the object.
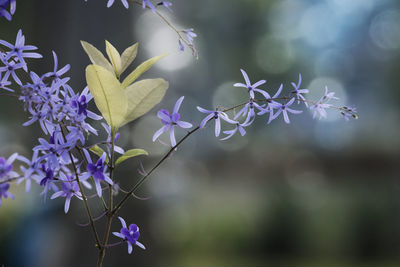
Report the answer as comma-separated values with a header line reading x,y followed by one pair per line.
x,y
206,119
123,223
130,248
158,133
140,245
178,104
67,203
261,82
204,110
184,124
246,78
172,137
217,126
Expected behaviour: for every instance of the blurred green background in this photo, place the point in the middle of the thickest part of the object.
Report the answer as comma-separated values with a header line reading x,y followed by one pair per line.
x,y
312,193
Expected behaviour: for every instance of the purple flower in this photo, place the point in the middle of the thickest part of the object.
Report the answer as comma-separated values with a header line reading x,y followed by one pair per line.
x,y
30,172
249,110
130,235
284,109
170,121
252,87
349,113
57,73
48,175
328,95
18,49
239,127
322,104
4,83
298,92
190,35
124,2
319,108
10,68
217,115
47,178
166,4
271,104
117,149
3,8
149,4
69,188
6,167
80,105
97,171
181,46
56,150
4,192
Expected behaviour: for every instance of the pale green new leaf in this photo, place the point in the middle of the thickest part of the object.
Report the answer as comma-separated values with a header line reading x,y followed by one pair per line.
x,y
108,95
128,56
130,154
145,66
114,57
98,151
143,96
96,57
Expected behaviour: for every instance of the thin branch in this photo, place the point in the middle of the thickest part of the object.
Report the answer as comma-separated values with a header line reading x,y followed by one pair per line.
x,y
10,180
174,28
94,219
96,236
102,252
141,181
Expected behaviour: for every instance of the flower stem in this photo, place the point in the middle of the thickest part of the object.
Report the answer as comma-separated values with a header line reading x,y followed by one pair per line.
x,y
144,178
138,184
174,28
102,252
96,236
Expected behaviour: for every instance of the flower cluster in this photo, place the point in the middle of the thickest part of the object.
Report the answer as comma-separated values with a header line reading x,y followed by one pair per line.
x,y
145,4
6,175
14,59
62,115
275,106
188,38
62,162
4,11
185,37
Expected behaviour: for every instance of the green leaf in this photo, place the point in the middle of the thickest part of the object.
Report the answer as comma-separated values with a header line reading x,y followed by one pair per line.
x,y
114,57
143,96
142,68
128,56
108,95
130,154
95,56
98,151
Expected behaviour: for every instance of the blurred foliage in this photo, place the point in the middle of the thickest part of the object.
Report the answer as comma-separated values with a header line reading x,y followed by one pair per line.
x,y
314,193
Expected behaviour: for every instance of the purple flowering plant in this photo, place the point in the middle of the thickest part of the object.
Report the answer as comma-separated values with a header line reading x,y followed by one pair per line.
x,y
66,165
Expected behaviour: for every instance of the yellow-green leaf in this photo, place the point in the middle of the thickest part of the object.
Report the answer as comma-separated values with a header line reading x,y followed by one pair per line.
x,y
95,56
128,56
98,151
143,96
114,57
130,154
108,95
145,66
